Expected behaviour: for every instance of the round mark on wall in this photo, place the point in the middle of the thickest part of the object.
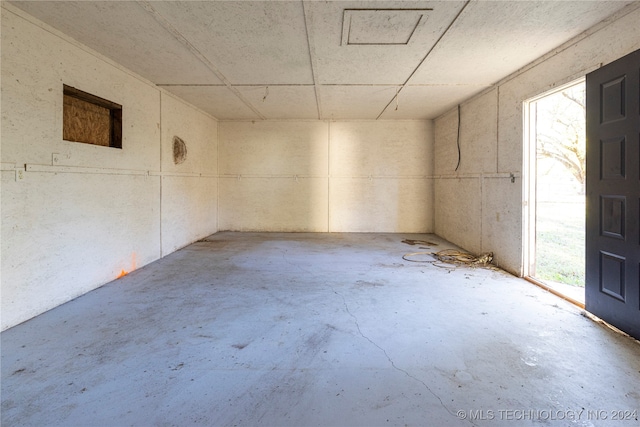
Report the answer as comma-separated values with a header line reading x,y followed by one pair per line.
x,y
179,150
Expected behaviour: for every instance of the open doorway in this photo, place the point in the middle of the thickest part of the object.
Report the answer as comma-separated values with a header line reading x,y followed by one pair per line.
x,y
556,177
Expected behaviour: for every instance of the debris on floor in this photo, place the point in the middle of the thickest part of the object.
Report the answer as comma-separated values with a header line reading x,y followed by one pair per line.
x,y
454,257
419,242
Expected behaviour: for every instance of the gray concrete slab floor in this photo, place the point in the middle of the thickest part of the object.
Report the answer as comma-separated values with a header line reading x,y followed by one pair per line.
x,y
257,329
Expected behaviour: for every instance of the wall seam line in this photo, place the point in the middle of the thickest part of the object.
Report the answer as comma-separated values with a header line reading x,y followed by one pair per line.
x,y
160,177
498,130
328,176
481,215
218,177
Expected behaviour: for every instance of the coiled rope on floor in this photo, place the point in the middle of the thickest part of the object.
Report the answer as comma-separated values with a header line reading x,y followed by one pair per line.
x,y
454,257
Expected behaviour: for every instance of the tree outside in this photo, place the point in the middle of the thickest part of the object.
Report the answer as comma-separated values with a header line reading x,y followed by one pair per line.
x,y
560,186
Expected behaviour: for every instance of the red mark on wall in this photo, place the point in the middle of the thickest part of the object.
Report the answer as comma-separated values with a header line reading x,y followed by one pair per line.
x,y
134,265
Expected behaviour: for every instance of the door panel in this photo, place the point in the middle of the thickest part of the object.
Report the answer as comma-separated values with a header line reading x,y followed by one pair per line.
x,y
612,290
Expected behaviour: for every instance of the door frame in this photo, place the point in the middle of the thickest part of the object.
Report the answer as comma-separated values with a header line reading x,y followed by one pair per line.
x,y
529,178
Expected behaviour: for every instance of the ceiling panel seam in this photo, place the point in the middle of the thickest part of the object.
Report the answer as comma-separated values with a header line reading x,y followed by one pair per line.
x,y
182,39
571,42
630,8
424,58
312,59
481,85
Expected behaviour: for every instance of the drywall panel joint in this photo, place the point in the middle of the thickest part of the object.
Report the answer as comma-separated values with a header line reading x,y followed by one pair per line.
x,y
509,175
83,170
8,166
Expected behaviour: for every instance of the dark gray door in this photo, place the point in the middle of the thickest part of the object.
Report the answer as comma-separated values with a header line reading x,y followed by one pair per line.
x,y
613,194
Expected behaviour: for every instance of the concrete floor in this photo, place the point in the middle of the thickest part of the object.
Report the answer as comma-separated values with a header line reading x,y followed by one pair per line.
x,y
316,329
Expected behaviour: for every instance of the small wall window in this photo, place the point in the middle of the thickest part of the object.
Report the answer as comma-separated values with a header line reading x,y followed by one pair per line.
x,y
91,119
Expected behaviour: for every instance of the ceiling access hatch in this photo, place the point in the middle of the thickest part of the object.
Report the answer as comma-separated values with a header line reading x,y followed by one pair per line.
x,y
381,27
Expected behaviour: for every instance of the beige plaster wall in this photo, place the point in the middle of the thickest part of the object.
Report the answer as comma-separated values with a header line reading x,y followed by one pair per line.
x,y
349,176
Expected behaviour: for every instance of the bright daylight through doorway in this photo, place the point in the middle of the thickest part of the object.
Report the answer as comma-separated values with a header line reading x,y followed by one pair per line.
x,y
556,189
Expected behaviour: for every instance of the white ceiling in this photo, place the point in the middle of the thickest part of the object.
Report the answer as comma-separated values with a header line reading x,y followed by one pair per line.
x,y
310,59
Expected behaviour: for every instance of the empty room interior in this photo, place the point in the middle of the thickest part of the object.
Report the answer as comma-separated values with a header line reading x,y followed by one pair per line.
x,y
229,213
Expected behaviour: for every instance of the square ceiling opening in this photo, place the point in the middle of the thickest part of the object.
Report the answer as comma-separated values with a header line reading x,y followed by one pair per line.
x,y
381,27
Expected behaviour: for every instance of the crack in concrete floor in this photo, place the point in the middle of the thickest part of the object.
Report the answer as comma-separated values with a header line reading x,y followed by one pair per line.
x,y
357,323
